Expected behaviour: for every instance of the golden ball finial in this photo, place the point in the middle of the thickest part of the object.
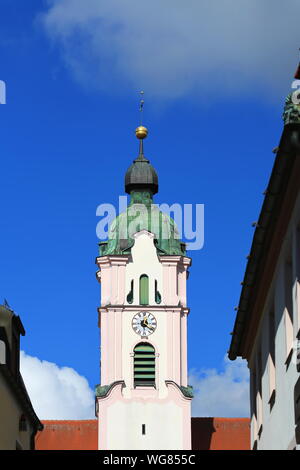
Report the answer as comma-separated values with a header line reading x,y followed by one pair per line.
x,y
141,132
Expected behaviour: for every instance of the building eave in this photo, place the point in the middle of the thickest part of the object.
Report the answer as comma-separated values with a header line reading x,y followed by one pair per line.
x,y
18,388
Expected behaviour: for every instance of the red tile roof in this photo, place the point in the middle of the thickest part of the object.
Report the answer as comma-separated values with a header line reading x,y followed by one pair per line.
x,y
68,435
207,434
220,433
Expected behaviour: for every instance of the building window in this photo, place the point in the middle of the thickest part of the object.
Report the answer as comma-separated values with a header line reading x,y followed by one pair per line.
x,y
144,365
23,423
2,352
271,358
253,390
157,294
288,311
259,404
144,290
130,295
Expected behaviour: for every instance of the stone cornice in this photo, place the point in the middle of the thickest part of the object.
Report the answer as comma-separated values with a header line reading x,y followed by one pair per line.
x,y
170,259
139,308
175,260
110,260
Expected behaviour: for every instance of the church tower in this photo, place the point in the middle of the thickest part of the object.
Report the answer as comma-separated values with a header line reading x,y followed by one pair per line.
x,y
143,401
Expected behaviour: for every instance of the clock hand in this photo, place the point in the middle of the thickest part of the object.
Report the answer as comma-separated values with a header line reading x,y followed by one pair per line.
x,y
147,324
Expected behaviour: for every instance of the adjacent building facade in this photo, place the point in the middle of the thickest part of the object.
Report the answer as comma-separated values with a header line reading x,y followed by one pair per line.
x,y
267,326
18,421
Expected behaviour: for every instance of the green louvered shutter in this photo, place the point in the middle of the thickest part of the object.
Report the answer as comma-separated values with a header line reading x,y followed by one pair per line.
x,y
144,365
144,290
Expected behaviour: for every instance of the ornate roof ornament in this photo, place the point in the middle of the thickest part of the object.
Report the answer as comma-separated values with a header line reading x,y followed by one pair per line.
x,y
291,113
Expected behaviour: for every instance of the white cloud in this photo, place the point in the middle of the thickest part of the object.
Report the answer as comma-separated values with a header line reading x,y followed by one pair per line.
x,y
56,392
175,48
221,394
61,393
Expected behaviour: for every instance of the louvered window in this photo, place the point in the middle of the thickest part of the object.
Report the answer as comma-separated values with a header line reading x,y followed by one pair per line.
x,y
144,365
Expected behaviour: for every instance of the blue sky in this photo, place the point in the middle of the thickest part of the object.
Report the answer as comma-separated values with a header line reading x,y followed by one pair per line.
x,y
73,71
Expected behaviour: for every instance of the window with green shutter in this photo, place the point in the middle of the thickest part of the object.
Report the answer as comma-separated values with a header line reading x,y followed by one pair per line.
x,y
144,365
144,290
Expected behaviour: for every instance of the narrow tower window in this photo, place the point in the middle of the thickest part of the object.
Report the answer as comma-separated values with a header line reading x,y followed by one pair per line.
x,y
130,295
157,294
144,365
144,290
143,429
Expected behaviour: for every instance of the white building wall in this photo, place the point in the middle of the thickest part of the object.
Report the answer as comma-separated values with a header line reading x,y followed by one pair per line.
x,y
278,423
163,425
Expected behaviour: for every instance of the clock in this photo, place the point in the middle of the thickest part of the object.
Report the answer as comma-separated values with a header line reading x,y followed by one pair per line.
x,y
144,323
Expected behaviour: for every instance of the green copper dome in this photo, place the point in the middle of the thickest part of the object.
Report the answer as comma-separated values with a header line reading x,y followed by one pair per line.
x,y
141,182
142,216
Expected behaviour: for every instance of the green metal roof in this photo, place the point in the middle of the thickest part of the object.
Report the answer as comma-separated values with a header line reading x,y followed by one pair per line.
x,y
143,215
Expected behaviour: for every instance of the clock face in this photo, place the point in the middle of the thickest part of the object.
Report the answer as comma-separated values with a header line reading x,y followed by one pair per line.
x,y
144,323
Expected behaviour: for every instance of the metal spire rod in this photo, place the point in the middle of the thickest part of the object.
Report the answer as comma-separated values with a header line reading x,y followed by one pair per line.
x,y
141,105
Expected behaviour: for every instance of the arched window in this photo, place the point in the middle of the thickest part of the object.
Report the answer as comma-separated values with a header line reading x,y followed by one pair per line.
x,y
144,290
144,365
